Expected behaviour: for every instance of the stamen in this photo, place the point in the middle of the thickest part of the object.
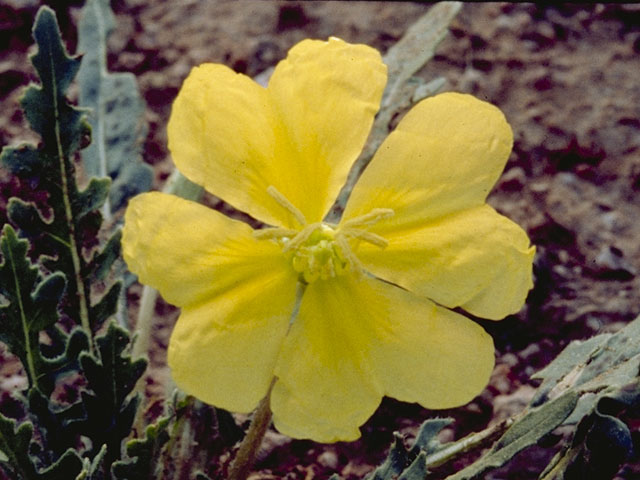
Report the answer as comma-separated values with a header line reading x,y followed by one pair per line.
x,y
273,233
368,237
284,202
374,216
301,237
345,249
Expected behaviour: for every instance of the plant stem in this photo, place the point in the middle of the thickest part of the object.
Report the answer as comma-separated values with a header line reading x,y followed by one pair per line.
x,y
144,322
246,456
468,443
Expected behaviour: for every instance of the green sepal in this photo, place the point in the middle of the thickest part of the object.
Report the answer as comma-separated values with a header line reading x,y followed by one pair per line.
x,y
31,305
116,111
143,453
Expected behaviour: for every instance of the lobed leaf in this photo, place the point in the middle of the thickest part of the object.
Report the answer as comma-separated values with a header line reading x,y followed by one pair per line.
x,y
116,112
17,461
31,306
64,230
109,409
143,453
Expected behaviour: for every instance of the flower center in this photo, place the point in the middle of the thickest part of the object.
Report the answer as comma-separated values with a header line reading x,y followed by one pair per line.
x,y
318,255
322,250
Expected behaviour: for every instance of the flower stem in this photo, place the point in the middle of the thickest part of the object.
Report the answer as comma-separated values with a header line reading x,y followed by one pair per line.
x,y
246,456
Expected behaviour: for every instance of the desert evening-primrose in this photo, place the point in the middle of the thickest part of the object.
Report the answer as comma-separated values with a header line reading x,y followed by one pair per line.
x,y
416,240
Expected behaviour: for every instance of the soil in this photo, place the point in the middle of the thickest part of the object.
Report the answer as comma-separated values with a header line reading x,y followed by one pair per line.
x,y
566,77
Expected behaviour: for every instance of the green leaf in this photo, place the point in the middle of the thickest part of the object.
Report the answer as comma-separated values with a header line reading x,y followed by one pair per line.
x,y
143,453
596,368
526,431
410,464
65,228
31,306
94,470
427,439
109,409
14,443
601,443
116,111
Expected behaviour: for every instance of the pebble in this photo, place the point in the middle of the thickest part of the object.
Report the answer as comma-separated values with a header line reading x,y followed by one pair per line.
x,y
328,459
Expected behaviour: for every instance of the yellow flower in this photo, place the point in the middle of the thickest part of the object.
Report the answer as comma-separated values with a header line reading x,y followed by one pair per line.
x,y
416,239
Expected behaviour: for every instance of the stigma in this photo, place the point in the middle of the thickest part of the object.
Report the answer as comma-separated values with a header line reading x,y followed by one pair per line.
x,y
321,251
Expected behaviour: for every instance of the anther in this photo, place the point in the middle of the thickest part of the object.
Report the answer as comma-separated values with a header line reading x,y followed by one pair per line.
x,y
301,237
374,216
365,236
284,202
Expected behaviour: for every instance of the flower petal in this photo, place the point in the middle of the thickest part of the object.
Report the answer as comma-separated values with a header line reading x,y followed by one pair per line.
x,y
357,339
300,135
327,95
191,253
224,351
444,156
476,259
428,354
221,136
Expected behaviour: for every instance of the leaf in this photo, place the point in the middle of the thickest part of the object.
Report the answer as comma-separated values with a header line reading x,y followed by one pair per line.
x,y
405,58
601,443
14,443
109,409
31,306
65,229
596,368
410,464
143,453
417,47
525,432
116,112
94,470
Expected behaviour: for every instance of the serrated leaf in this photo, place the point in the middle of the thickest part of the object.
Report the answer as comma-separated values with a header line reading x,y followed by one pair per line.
x,y
109,409
94,469
32,306
102,262
410,464
117,111
68,224
53,421
14,442
143,453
